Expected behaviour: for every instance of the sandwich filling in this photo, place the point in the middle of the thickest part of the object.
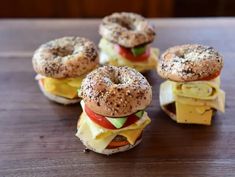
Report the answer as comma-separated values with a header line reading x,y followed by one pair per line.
x,y
100,132
66,88
141,58
192,102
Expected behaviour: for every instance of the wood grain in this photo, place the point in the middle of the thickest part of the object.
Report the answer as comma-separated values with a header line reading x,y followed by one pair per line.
x,y
37,136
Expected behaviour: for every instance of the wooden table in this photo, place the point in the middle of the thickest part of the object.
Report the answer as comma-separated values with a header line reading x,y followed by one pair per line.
x,y
37,136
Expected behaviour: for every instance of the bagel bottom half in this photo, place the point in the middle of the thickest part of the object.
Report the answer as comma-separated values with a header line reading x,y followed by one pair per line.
x,y
106,151
110,151
109,141
56,98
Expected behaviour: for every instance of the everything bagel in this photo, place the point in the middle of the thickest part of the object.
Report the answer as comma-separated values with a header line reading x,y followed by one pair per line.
x,y
65,57
61,65
127,29
192,92
115,91
190,63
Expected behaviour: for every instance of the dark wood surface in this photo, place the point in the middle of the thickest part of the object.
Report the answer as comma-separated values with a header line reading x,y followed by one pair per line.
x,y
37,136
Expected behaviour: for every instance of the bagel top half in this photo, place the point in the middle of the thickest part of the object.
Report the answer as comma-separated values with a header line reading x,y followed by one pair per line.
x,y
116,91
190,62
66,57
127,29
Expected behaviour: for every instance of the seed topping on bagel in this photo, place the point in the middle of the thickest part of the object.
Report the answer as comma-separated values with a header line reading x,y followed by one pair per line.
x,y
116,91
127,29
190,63
65,57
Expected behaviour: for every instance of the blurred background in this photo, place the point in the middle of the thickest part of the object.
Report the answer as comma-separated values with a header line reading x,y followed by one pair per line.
x,y
100,8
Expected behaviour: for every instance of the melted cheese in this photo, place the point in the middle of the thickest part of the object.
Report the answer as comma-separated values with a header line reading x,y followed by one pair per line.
x,y
192,110
187,113
98,137
62,87
108,55
218,103
85,134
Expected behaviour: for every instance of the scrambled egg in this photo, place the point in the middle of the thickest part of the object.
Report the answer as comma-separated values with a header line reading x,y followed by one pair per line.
x,y
67,88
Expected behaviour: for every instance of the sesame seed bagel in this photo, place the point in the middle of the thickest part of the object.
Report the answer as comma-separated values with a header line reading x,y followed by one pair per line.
x,y
65,57
115,91
127,29
190,62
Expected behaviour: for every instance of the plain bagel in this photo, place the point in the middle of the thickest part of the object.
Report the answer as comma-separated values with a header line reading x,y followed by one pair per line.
x,y
65,57
190,63
127,29
115,91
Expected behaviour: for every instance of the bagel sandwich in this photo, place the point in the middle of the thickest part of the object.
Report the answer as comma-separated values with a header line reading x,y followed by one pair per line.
x,y
61,65
126,41
192,91
114,100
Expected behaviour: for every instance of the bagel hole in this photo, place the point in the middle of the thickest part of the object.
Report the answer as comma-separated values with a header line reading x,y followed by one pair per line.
x,y
180,54
61,51
116,81
127,25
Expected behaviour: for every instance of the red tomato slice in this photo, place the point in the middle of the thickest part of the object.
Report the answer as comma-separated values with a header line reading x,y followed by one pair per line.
x,y
115,144
41,81
102,121
126,53
212,77
131,120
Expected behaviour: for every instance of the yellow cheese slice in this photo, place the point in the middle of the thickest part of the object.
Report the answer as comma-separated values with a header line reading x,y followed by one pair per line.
x,y
110,56
85,134
76,82
131,135
218,103
63,87
193,114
